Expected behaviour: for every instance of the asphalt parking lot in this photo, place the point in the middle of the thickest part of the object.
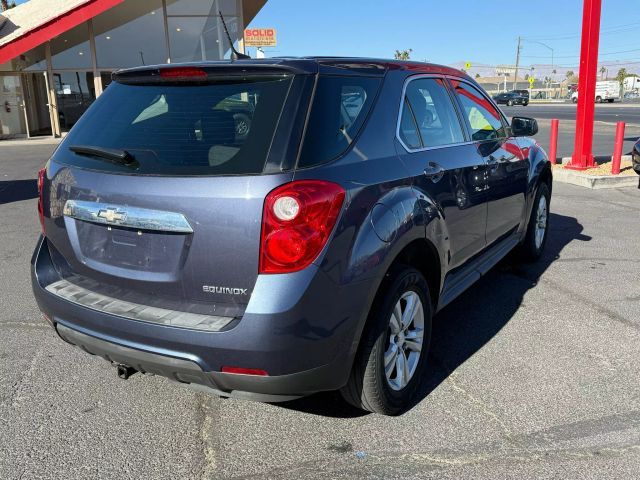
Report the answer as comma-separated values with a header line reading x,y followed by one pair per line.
x,y
534,374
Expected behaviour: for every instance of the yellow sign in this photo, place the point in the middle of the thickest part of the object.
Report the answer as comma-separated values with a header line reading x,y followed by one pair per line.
x,y
531,81
467,65
260,37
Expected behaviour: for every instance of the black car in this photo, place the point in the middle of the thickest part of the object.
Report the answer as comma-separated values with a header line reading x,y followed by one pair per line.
x,y
512,98
307,252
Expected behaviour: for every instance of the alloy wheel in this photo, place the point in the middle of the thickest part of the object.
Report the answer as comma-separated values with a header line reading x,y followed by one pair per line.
x,y
541,222
406,336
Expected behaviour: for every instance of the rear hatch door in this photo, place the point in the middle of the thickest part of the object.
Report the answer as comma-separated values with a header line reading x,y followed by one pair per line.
x,y
157,192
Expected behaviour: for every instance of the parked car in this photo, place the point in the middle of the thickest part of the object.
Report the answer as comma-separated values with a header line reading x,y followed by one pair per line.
x,y
309,254
511,98
635,157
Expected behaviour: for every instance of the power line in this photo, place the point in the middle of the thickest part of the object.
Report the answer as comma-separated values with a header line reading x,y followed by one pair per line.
x,y
603,31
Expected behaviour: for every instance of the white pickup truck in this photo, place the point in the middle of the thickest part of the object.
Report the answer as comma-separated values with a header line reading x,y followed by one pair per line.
x,y
606,90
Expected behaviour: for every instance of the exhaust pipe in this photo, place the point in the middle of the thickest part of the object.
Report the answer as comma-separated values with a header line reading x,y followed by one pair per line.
x,y
125,371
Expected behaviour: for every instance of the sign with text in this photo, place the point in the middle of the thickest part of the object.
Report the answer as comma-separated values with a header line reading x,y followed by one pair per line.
x,y
260,37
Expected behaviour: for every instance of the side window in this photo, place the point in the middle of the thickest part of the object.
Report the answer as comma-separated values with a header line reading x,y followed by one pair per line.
x,y
408,130
340,107
484,119
428,108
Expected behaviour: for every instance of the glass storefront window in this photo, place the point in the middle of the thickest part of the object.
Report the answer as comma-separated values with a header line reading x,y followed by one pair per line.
x,y
71,49
74,92
199,38
129,24
33,60
202,7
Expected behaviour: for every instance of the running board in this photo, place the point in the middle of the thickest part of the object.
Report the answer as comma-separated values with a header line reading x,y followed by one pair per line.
x,y
456,283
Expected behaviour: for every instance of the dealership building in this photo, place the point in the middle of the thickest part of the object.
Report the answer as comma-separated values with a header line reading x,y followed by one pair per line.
x,y
56,56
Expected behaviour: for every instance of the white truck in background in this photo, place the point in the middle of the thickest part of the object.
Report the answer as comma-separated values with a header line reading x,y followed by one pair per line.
x,y
606,91
631,84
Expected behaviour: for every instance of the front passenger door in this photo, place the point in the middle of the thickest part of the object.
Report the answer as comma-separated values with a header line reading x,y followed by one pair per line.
x,y
507,164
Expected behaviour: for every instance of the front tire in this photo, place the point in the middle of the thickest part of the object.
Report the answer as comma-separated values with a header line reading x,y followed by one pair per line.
x,y
536,237
509,103
598,99
389,366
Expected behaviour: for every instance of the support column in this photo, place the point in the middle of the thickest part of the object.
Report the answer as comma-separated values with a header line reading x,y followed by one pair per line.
x,y
97,79
51,95
583,149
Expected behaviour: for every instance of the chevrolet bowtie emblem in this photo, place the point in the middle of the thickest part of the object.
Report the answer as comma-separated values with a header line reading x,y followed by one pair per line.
x,y
111,215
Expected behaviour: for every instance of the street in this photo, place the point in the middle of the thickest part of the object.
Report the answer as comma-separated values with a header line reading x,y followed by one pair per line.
x,y
533,373
606,117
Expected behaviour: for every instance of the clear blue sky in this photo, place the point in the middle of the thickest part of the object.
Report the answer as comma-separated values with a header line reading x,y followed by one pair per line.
x,y
483,31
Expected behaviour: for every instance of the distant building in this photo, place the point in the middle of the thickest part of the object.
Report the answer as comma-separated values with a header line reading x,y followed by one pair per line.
x,y
57,56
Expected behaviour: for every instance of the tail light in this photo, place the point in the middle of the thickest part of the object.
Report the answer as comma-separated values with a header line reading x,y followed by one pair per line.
x,y
182,72
41,174
296,222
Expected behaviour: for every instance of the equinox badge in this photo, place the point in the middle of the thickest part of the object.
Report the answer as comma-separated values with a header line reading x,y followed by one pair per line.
x,y
225,290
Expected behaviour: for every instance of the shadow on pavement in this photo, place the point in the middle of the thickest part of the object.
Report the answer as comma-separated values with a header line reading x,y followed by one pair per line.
x,y
18,190
471,321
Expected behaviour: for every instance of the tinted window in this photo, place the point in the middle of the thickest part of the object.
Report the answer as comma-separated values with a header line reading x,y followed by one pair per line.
x,y
484,119
408,130
212,129
340,107
433,112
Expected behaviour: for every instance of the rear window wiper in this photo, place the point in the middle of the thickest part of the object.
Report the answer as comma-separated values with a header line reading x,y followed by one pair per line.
x,y
113,155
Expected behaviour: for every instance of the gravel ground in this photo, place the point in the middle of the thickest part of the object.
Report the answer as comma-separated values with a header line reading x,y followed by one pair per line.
x,y
534,374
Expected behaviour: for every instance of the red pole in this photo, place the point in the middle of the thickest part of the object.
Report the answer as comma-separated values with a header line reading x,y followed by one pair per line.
x,y
617,149
582,153
553,141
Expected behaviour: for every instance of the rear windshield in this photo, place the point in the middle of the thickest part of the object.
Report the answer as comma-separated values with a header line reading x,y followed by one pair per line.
x,y
340,107
189,129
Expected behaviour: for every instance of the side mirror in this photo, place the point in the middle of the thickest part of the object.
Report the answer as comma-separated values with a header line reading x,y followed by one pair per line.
x,y
524,126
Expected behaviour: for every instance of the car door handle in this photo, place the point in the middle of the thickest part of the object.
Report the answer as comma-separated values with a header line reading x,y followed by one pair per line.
x,y
434,171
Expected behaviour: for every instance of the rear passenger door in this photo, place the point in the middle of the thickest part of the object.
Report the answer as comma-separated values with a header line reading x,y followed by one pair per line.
x,y
507,164
445,167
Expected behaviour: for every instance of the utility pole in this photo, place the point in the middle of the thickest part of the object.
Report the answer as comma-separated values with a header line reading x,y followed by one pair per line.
x,y
515,78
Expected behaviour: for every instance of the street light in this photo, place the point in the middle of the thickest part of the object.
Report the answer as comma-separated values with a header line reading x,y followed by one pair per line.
x,y
546,46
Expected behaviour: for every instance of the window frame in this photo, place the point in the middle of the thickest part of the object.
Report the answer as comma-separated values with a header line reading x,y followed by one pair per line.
x,y
505,124
454,103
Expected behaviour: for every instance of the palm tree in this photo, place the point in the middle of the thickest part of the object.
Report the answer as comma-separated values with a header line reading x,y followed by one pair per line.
x,y
403,54
4,4
602,72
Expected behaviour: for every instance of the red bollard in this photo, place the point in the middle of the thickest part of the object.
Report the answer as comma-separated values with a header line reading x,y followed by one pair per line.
x,y
617,149
553,142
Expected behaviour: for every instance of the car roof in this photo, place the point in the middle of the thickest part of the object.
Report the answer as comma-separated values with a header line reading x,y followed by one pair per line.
x,y
314,64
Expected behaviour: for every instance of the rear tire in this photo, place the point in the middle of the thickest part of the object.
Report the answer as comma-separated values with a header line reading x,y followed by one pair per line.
x,y
389,347
598,99
538,228
509,103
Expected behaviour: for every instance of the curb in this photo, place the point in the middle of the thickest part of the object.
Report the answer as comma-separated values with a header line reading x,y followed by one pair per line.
x,y
575,177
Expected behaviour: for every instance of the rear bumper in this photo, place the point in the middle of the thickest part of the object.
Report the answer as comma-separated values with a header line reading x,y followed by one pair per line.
x,y
264,389
304,342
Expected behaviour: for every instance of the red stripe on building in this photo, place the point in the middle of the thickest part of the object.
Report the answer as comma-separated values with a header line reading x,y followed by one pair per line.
x,y
54,27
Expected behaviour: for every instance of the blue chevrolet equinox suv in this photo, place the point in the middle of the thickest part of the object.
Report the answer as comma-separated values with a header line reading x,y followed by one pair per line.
x,y
268,229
